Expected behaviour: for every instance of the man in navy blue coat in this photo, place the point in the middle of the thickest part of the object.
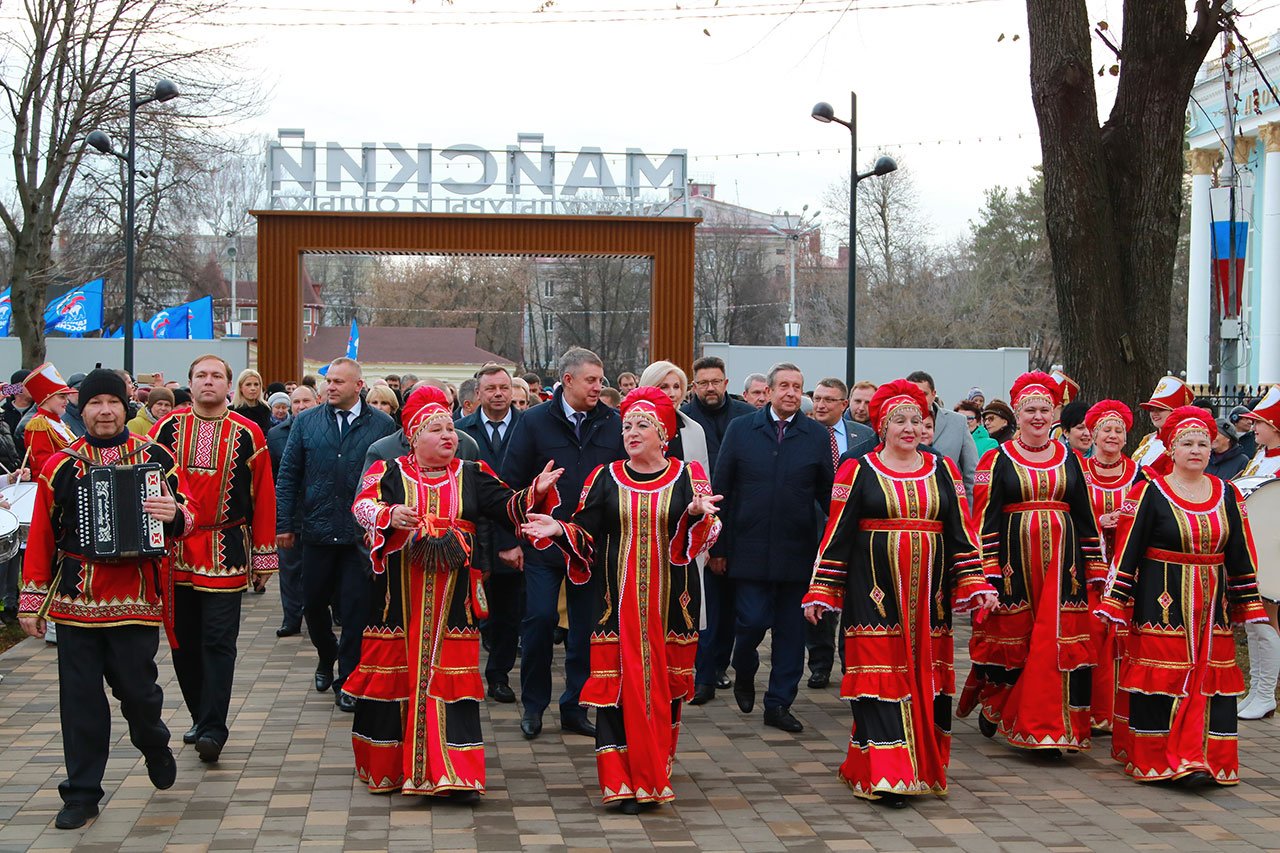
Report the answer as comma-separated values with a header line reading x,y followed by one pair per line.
x,y
576,432
713,409
775,471
490,425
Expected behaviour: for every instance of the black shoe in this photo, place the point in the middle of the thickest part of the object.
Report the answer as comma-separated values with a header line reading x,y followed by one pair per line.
x,y
190,735
628,807
892,801
819,680
702,694
782,718
985,726
531,725
345,702
465,798
744,692
1197,779
578,724
723,681
208,749
75,815
289,630
324,677
162,770
559,635
502,693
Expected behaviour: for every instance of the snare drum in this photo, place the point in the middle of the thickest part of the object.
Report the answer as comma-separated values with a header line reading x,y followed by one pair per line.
x,y
1262,502
22,503
10,535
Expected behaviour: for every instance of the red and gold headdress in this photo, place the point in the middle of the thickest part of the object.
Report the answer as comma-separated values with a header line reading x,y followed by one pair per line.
x,y
892,396
654,405
1183,420
1036,385
1067,387
1108,410
1171,393
43,382
424,405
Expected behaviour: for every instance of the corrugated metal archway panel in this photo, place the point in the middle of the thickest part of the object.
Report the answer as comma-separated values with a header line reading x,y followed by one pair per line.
x,y
285,236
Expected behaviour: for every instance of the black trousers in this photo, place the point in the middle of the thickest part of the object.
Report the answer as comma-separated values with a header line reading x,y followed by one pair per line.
x,y
505,591
207,626
125,657
290,579
820,641
342,571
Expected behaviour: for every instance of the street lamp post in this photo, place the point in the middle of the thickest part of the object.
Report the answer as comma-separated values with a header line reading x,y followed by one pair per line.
x,y
825,113
165,90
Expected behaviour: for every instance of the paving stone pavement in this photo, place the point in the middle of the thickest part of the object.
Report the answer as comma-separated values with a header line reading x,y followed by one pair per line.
x,y
285,782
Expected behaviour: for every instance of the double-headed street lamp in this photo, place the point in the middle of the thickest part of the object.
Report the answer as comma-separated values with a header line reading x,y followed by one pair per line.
x,y
166,90
825,113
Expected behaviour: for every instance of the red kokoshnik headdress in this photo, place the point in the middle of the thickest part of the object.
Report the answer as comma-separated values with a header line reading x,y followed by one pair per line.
x,y
890,397
424,405
1185,419
1108,410
654,405
1036,385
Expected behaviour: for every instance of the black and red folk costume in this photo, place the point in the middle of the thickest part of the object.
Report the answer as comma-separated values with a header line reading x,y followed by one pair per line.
x,y
1183,573
633,538
228,470
416,727
107,612
228,473
898,557
1107,488
1032,656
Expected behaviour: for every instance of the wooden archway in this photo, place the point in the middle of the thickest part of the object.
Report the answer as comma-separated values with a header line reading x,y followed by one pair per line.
x,y
285,236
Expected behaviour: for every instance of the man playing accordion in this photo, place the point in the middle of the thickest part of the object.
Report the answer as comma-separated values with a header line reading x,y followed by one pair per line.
x,y
108,606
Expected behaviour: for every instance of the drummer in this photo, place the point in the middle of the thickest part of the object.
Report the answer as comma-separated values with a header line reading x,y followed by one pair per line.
x,y
1264,639
11,569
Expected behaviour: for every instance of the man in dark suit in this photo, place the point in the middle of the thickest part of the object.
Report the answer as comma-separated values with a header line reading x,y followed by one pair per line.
x,y
576,432
846,439
291,597
713,409
775,471
490,425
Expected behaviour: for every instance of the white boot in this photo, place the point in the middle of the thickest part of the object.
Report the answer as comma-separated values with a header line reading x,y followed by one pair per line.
x,y
1264,642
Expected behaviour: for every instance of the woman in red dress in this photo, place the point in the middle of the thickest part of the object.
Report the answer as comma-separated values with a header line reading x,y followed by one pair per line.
x,y
1110,474
898,558
1185,570
639,528
1032,657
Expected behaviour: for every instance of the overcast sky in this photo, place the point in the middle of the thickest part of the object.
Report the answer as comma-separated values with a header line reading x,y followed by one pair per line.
x,y
937,86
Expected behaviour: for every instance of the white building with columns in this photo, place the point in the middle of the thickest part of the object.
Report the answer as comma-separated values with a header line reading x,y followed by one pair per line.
x,y
1256,155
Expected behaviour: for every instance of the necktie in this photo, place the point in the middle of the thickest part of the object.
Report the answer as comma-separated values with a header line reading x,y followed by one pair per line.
x,y
496,440
342,422
835,447
782,427
578,418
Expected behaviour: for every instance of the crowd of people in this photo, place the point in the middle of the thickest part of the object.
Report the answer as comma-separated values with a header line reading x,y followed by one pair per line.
x,y
659,527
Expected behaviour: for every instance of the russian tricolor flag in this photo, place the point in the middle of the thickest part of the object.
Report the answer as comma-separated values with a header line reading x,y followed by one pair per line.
x,y
1229,245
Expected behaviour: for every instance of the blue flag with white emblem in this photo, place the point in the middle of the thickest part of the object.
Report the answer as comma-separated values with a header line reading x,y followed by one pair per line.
x,y
77,311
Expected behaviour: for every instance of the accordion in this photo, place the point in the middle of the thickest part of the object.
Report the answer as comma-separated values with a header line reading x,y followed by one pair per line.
x,y
113,525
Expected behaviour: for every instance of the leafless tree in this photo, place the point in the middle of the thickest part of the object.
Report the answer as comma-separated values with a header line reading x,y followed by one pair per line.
x,y
65,72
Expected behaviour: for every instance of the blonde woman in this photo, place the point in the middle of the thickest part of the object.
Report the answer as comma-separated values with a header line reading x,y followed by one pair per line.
x,y
381,397
690,442
247,400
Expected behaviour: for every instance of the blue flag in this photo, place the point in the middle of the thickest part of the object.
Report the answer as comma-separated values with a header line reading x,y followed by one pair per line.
x,y
140,330
353,346
190,320
77,311
353,341
6,312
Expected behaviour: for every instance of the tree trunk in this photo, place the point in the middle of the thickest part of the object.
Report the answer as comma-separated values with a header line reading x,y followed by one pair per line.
x,y
1113,192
